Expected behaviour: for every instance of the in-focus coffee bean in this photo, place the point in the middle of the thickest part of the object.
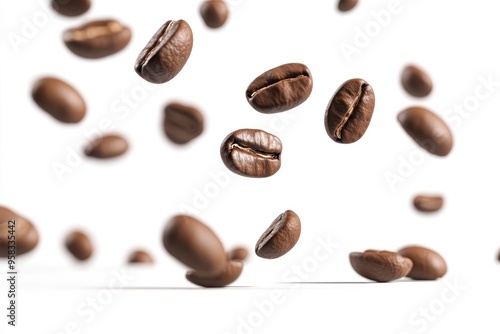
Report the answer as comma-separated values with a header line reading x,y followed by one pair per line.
x,y
252,153
428,203
17,234
238,254
416,81
79,245
346,5
97,39
140,256
105,147
59,99
227,276
214,13
280,88
166,53
71,7
182,123
350,111
427,129
380,266
280,237
427,264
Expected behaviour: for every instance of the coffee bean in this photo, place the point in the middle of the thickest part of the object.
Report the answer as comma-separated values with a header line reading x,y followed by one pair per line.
x,y
238,254
79,245
182,123
97,39
346,5
59,100
427,129
71,7
108,146
214,13
350,111
140,256
280,237
252,153
427,264
13,225
427,203
380,266
415,81
230,274
281,88
166,53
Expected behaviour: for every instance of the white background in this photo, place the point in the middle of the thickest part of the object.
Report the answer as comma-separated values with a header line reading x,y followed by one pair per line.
x,y
339,191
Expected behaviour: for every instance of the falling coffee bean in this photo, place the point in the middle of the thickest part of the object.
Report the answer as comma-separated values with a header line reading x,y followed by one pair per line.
x,y
427,129
182,123
252,153
140,256
59,100
214,13
106,147
346,5
71,7
79,245
97,39
13,227
281,88
227,276
415,81
350,111
280,237
427,264
166,53
380,266
238,254
426,203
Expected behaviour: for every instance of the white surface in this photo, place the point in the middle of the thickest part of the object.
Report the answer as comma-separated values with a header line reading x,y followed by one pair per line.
x,y
339,191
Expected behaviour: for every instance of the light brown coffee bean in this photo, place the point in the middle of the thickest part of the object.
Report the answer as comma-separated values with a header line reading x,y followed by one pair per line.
x,y
17,234
427,264
109,146
182,123
380,266
347,5
427,203
79,245
230,274
280,237
140,256
71,7
416,81
214,13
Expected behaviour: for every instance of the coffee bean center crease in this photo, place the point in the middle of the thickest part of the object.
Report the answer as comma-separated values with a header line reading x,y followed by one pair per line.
x,y
252,151
338,131
299,77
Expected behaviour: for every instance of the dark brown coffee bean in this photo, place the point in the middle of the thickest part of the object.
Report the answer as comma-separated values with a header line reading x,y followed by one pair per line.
x,y
426,203
97,39
280,237
380,266
140,256
59,100
427,264
238,254
194,244
227,276
281,88
166,53
79,245
71,7
346,5
350,111
13,227
252,153
415,81
214,13
108,146
427,129
182,123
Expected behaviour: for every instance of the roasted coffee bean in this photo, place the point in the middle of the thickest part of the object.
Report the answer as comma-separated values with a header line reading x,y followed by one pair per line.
x,y
71,7
281,88
13,225
350,111
426,203
182,123
427,264
59,100
108,146
97,39
427,129
415,81
227,276
140,256
252,153
238,254
380,266
346,5
214,13
166,53
79,245
280,237
194,244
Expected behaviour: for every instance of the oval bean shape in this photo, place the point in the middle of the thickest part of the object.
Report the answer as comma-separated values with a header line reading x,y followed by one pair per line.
x,y
79,245
214,13
280,237
71,7
105,147
427,264
230,274
380,266
416,81
26,235
140,256
238,254
182,123
427,203
347,5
